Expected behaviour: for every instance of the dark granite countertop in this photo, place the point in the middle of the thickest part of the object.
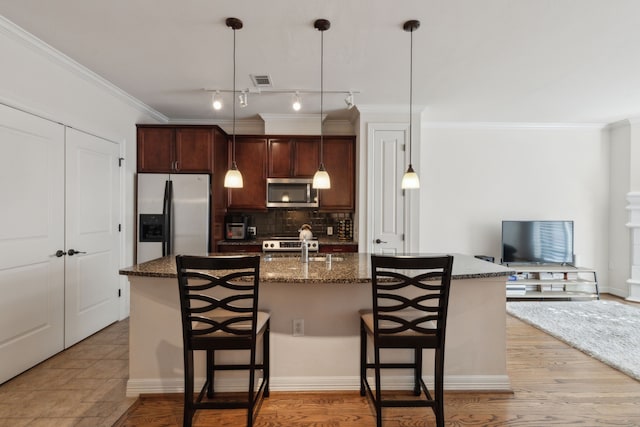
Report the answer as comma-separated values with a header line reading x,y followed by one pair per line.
x,y
343,268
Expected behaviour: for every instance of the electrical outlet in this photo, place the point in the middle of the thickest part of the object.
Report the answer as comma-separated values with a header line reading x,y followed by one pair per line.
x,y
329,231
298,327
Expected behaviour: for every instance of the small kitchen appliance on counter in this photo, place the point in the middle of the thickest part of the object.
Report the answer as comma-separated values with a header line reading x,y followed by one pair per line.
x,y
235,227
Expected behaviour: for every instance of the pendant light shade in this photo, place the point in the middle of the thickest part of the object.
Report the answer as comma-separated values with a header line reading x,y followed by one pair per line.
x,y
410,178
321,178
233,177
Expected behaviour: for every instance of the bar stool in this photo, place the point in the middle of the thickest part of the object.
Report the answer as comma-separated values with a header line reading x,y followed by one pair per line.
x,y
410,301
219,307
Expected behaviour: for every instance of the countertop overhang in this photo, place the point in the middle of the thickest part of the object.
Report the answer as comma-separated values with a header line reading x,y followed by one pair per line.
x,y
343,268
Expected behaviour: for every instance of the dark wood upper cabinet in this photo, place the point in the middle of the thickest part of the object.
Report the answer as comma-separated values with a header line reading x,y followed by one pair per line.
x,y
194,150
306,157
175,149
293,157
339,160
280,157
251,158
155,149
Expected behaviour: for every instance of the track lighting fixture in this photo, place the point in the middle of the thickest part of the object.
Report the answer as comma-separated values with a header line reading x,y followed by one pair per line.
x,y
321,178
216,101
410,178
233,177
349,101
296,105
243,98
243,95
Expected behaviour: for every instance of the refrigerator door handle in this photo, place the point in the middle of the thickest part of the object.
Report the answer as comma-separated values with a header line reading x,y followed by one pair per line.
x,y
170,219
166,214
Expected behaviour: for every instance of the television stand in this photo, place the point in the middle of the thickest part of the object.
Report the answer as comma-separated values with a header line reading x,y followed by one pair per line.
x,y
552,282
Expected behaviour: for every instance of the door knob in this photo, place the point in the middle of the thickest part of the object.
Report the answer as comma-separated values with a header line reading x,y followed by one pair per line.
x,y
72,252
378,241
60,253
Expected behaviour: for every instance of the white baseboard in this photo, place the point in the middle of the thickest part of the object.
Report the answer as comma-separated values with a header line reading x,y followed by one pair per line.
x,y
495,383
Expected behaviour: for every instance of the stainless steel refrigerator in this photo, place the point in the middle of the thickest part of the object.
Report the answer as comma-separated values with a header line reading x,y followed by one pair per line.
x,y
173,215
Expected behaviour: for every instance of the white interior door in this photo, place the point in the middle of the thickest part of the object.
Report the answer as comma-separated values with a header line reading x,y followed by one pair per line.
x,y
31,231
92,218
386,198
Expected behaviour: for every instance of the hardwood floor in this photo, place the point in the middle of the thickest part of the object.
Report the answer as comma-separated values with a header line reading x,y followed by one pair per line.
x,y
553,385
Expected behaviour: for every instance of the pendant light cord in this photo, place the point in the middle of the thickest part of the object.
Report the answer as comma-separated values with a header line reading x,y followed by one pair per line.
x,y
410,95
321,96
233,154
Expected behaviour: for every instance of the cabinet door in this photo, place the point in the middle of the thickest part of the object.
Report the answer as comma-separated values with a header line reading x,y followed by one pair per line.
x,y
306,157
339,162
251,158
194,150
279,158
155,149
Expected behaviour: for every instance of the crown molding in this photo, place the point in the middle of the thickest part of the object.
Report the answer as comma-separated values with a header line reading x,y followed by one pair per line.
x,y
288,127
389,109
243,127
511,125
34,44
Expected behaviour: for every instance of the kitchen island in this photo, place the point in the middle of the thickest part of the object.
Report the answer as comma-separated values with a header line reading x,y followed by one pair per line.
x,y
327,295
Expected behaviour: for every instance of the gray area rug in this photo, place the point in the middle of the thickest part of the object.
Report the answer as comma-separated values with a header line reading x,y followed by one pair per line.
x,y
606,330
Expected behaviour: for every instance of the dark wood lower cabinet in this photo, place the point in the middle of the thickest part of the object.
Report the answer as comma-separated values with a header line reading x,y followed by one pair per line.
x,y
338,248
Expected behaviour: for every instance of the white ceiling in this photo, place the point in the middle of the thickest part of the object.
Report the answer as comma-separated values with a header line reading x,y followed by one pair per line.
x,y
558,61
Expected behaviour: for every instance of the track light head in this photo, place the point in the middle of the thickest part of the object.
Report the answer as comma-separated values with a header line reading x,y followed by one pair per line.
x,y
243,99
216,100
349,101
297,104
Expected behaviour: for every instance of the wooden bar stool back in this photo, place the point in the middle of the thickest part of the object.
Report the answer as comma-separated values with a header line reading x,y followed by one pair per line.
x,y
410,301
219,307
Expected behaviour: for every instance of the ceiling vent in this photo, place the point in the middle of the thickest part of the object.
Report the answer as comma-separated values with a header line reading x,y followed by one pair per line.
x,y
261,80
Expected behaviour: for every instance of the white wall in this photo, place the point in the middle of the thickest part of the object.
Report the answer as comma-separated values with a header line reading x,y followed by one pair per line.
x,y
37,79
474,176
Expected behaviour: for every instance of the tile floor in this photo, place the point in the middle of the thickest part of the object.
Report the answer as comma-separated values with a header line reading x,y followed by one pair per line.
x,y
84,386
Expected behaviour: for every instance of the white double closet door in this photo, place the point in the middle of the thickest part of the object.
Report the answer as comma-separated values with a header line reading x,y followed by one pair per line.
x,y
59,190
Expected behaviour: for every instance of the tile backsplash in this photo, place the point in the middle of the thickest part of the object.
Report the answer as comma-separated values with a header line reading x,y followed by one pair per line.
x,y
284,222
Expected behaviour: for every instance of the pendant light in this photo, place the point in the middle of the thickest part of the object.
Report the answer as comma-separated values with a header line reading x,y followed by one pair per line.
x,y
233,177
410,178
321,178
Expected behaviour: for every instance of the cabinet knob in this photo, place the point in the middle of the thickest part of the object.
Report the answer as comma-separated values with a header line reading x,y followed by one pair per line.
x,y
378,241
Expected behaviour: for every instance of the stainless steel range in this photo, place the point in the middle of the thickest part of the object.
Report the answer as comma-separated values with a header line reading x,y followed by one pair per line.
x,y
288,244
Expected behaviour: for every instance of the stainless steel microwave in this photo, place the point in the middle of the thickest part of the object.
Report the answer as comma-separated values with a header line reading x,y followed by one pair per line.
x,y
291,192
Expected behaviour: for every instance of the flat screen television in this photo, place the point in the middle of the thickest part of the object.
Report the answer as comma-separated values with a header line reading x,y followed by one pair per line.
x,y
537,242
